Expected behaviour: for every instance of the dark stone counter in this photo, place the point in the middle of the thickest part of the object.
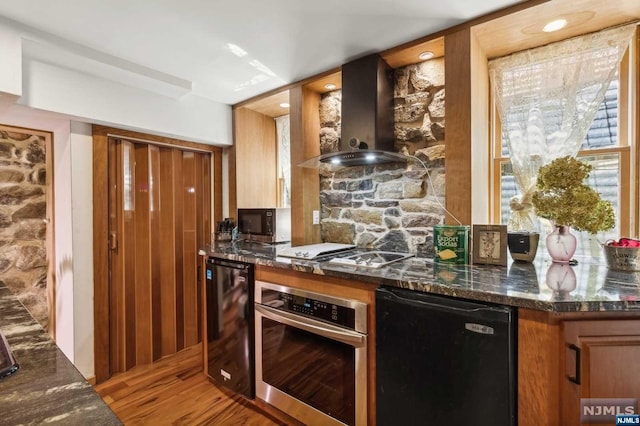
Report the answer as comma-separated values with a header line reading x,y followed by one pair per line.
x,y
543,285
47,388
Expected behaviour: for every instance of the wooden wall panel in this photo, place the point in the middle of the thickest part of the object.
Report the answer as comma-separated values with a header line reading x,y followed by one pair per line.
x,y
127,236
114,299
458,115
233,181
198,189
480,133
635,105
256,155
467,150
305,183
155,220
190,249
168,253
178,189
207,206
142,282
203,216
102,347
217,190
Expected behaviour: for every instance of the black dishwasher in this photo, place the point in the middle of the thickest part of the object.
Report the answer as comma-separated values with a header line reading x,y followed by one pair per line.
x,y
230,325
444,361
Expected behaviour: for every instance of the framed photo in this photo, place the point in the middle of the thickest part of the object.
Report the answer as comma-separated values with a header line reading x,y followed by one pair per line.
x,y
490,244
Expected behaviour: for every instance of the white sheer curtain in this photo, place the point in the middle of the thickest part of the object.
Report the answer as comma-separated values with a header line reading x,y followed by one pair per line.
x,y
547,98
284,158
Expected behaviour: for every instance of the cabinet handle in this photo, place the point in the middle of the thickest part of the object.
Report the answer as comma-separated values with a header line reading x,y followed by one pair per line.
x,y
575,378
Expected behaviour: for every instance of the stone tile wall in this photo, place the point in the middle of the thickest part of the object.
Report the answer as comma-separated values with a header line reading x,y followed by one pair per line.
x,y
23,257
390,206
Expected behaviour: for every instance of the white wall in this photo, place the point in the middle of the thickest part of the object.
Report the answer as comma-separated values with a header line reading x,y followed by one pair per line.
x,y
225,184
11,69
95,100
81,144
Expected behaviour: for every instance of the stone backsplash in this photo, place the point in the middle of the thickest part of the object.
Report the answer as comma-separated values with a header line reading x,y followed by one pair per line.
x,y
23,257
390,206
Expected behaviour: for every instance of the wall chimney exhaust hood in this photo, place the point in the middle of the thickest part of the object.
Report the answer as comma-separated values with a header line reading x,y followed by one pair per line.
x,y
367,116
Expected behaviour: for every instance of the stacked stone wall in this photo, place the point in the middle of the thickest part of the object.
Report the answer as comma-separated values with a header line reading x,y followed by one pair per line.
x,y
23,257
390,206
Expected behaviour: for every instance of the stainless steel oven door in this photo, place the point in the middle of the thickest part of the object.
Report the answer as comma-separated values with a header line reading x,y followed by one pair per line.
x,y
314,371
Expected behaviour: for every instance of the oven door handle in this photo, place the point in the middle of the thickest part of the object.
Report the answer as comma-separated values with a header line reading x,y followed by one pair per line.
x,y
293,320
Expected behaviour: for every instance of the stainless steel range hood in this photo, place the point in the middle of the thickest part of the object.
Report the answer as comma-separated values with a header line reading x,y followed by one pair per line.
x,y
367,116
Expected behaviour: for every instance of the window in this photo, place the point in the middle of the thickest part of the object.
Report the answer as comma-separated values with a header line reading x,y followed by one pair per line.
x,y
609,146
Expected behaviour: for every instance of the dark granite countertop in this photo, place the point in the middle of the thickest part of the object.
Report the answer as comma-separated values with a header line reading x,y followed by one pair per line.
x,y
543,285
47,388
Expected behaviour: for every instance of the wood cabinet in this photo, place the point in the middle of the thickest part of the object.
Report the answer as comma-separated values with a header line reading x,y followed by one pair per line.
x,y
565,357
255,159
601,360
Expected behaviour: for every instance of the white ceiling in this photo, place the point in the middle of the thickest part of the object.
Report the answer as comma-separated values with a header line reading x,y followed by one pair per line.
x,y
175,47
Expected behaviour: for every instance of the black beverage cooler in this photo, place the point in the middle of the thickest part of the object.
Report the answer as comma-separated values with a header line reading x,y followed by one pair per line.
x,y
444,361
230,325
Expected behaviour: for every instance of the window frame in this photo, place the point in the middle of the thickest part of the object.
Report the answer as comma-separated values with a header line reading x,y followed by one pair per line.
x,y
628,149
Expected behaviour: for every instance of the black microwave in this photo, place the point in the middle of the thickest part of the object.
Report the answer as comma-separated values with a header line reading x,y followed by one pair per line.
x,y
268,225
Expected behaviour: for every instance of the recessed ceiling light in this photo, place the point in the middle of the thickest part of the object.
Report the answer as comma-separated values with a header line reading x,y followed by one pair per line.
x,y
330,86
284,105
556,25
426,55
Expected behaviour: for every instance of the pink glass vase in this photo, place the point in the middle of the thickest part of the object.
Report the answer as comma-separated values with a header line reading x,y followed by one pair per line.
x,y
561,244
561,280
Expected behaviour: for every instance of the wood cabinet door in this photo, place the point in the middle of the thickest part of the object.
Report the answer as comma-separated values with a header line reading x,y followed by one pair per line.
x,y
601,360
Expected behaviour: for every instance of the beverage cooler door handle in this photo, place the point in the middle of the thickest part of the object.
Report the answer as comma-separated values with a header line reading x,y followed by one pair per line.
x,y
576,377
286,318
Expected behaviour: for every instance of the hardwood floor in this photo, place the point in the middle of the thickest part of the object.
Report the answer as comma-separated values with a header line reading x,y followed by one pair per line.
x,y
175,391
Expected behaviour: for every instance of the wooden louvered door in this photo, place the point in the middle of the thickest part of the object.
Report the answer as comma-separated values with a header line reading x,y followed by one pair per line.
x,y
159,215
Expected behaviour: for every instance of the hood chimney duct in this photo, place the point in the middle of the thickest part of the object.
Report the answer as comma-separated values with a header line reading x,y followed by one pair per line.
x,y
367,104
367,135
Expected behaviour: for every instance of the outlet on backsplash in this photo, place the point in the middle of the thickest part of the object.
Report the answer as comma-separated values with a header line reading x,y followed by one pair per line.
x,y
316,217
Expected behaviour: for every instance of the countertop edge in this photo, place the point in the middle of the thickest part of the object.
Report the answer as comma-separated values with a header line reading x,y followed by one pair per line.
x,y
425,283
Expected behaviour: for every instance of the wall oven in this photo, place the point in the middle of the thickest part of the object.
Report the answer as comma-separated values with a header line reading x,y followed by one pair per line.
x,y
311,355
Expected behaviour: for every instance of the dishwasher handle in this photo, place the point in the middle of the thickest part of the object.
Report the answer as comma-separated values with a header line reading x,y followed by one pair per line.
x,y
441,303
316,327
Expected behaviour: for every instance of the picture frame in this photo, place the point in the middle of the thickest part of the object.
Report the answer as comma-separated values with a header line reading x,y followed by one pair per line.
x,y
489,245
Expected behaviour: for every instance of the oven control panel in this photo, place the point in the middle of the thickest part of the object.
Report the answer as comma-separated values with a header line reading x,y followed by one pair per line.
x,y
338,311
339,315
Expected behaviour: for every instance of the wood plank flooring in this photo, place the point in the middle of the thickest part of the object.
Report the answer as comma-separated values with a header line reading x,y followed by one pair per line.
x,y
174,390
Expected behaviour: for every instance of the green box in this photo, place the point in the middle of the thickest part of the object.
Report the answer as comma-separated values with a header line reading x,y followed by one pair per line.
x,y
451,243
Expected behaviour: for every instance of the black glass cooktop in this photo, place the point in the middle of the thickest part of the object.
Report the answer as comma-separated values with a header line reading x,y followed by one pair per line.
x,y
8,364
